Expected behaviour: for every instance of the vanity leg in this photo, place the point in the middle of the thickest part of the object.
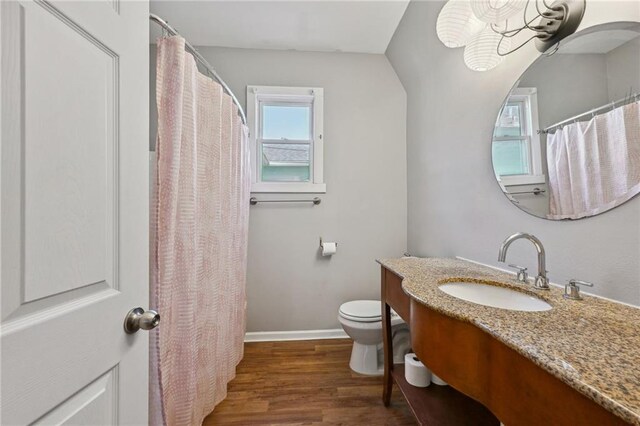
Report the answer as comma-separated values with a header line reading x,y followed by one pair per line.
x,y
388,346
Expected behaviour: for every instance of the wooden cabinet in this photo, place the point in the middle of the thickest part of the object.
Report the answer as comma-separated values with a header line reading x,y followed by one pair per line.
x,y
516,389
433,405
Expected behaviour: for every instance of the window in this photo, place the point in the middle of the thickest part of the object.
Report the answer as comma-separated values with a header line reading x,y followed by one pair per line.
x,y
285,125
516,150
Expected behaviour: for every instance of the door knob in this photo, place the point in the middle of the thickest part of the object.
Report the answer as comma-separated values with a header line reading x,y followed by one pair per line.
x,y
138,318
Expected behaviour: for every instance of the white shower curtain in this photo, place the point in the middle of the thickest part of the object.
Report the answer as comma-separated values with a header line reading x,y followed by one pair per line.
x,y
594,165
199,226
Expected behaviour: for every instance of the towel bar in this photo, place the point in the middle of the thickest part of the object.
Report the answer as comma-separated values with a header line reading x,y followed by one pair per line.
x,y
253,201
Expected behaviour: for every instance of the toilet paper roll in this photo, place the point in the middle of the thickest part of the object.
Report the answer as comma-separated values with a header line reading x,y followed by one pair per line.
x,y
329,249
415,372
437,380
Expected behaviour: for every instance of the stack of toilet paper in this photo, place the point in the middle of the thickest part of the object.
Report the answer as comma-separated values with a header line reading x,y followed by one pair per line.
x,y
417,374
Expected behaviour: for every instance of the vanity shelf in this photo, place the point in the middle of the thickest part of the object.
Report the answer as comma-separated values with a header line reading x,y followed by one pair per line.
x,y
433,405
441,405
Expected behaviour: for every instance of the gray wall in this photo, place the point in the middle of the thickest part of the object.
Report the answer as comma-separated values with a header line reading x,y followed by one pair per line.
x,y
537,205
563,94
455,207
623,66
290,287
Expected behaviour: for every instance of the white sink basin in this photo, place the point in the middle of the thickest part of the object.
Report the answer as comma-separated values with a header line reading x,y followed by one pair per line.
x,y
494,296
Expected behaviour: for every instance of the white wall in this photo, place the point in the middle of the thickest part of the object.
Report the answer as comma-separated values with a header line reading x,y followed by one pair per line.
x,y
455,207
291,287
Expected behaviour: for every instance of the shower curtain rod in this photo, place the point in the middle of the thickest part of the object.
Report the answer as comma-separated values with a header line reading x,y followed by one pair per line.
x,y
189,47
626,100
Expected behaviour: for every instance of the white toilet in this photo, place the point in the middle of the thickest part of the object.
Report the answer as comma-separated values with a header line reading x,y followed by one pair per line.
x,y
362,321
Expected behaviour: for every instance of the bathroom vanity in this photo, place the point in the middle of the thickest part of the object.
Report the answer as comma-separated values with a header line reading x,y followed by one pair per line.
x,y
433,405
577,363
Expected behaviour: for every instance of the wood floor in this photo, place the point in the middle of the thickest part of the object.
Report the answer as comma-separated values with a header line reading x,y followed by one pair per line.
x,y
305,382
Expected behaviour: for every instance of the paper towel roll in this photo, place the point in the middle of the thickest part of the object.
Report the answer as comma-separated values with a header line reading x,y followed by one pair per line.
x,y
329,249
415,372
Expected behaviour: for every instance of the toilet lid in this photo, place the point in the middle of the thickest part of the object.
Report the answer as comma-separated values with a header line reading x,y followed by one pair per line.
x,y
362,310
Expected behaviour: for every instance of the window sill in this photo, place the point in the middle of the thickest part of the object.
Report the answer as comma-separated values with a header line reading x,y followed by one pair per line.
x,y
522,180
288,187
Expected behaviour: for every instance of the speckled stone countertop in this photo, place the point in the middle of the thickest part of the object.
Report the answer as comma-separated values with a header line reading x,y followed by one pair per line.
x,y
592,345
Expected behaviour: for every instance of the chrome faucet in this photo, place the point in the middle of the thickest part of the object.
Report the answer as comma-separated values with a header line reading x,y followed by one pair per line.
x,y
541,282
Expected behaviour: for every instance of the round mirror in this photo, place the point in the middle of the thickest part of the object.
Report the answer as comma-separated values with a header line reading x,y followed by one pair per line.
x,y
566,143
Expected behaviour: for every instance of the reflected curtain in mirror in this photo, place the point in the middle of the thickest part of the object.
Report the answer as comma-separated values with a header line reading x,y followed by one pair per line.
x,y
594,166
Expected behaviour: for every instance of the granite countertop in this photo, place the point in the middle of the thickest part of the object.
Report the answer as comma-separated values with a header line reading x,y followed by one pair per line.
x,y
592,345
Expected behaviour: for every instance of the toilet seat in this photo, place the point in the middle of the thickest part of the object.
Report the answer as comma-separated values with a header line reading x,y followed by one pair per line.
x,y
361,310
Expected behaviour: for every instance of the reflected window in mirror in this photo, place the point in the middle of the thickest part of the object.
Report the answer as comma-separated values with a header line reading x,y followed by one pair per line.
x,y
516,151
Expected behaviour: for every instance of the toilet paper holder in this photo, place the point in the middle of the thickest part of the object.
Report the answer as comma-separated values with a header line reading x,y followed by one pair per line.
x,y
321,243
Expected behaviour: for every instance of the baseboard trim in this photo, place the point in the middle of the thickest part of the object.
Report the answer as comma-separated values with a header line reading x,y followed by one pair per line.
x,y
280,336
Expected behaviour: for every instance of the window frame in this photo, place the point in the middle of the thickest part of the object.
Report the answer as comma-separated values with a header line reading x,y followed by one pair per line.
x,y
258,96
528,96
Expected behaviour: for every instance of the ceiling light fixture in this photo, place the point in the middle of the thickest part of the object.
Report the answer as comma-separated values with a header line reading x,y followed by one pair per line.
x,y
480,53
457,24
495,11
483,26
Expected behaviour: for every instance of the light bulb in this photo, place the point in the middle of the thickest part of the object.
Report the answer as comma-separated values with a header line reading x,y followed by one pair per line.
x,y
457,24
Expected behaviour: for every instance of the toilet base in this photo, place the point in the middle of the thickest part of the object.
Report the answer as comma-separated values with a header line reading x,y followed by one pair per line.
x,y
364,359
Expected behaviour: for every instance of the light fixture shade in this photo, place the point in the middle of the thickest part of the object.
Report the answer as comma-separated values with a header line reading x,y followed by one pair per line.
x,y
496,11
481,54
457,24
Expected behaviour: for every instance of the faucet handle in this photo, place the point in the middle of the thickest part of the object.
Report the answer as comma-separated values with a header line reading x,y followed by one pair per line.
x,y
522,272
572,289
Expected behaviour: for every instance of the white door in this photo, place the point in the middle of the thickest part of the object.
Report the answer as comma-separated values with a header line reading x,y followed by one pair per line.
x,y
74,211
